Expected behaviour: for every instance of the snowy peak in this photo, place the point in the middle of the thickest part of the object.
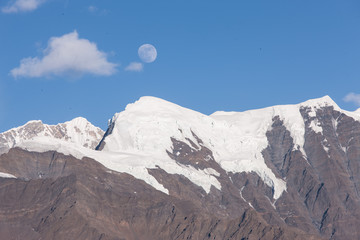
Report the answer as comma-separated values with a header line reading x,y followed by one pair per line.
x,y
78,131
153,105
148,124
82,132
149,104
325,101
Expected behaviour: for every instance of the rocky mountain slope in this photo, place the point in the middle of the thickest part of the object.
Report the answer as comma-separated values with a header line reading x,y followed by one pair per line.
x,y
162,171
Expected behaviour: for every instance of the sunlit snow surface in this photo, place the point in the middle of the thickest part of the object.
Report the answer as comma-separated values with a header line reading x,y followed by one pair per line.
x,y
6,175
143,132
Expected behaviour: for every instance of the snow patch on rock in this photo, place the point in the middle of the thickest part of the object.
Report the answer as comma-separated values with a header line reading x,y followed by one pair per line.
x,y
316,126
6,175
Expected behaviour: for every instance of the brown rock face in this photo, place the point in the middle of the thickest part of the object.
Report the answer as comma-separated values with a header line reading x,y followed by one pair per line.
x,y
60,197
322,187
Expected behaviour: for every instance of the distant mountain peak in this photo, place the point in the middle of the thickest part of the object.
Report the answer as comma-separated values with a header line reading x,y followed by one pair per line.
x,y
78,131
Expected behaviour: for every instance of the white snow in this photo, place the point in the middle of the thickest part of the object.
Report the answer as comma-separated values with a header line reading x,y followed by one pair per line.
x,y
344,149
325,145
334,123
211,171
242,188
316,126
6,175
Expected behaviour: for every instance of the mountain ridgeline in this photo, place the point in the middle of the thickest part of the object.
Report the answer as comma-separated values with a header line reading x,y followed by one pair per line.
x,y
162,171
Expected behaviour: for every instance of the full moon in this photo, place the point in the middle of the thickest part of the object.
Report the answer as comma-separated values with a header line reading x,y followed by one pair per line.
x,y
147,53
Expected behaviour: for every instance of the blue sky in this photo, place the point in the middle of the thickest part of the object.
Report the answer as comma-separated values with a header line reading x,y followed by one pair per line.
x,y
211,55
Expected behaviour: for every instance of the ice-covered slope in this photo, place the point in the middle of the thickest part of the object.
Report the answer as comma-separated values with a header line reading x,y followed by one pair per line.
x,y
78,131
6,175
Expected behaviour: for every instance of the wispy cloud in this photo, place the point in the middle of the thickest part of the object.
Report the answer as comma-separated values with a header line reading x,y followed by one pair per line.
x,y
22,6
97,11
92,8
134,67
352,97
64,55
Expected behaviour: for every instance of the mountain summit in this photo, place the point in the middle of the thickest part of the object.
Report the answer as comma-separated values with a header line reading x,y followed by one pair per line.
x,y
162,171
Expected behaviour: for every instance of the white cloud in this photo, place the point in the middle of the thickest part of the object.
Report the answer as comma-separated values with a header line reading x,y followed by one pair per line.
x,y
92,8
352,97
22,6
67,54
135,67
97,11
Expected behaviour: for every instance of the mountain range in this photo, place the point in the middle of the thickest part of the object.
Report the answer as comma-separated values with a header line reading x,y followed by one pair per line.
x,y
162,171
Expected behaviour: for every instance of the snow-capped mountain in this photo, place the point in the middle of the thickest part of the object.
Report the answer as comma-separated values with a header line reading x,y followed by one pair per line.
x,y
77,131
162,171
